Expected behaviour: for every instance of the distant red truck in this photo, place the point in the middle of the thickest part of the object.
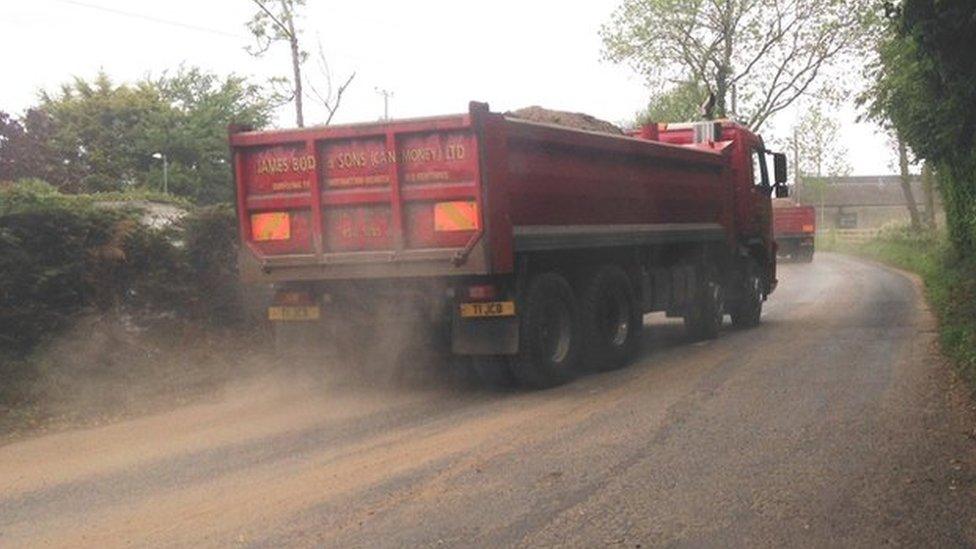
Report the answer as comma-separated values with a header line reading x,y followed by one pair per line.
x,y
794,227
536,246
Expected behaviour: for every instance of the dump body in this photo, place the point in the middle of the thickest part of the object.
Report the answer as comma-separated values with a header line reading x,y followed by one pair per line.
x,y
503,234
461,195
794,227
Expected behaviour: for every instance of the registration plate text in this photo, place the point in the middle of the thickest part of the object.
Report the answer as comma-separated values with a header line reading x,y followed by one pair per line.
x,y
488,309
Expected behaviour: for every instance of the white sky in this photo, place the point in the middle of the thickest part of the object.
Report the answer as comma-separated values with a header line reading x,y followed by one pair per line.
x,y
434,55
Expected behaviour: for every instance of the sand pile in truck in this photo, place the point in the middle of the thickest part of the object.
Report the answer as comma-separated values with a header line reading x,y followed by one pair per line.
x,y
576,120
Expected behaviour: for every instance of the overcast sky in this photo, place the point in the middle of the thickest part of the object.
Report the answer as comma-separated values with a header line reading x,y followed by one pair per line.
x,y
434,55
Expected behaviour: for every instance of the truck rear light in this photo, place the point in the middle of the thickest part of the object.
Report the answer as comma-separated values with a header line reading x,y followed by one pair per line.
x,y
270,226
482,292
808,228
456,216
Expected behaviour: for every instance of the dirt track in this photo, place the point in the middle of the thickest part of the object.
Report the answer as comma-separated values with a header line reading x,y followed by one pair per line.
x,y
832,424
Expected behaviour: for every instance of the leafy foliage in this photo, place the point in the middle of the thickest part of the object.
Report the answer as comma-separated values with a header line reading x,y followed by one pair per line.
x,y
924,86
679,104
26,151
757,56
814,146
98,136
66,256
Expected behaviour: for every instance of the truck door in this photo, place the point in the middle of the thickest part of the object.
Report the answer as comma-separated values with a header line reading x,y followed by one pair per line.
x,y
759,215
754,206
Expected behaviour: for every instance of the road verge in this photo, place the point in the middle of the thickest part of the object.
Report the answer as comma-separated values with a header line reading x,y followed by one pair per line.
x,y
949,281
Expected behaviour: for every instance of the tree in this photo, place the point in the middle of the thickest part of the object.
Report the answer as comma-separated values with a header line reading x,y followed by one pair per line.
x,y
100,130
905,178
921,92
757,56
678,104
815,147
192,131
103,135
274,24
25,151
330,97
928,189
817,155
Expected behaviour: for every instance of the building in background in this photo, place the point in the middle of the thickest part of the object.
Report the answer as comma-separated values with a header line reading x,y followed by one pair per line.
x,y
863,202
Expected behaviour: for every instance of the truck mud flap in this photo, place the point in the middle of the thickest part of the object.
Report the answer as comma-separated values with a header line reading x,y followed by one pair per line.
x,y
484,336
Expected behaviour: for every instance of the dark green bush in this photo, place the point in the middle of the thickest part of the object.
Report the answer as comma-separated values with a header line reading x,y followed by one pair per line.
x,y
49,256
65,256
211,245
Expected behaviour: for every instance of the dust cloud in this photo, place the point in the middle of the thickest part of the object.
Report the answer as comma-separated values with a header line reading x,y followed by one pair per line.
x,y
103,371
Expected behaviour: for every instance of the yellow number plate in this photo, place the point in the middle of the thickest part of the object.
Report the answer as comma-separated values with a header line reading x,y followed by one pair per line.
x,y
490,309
294,313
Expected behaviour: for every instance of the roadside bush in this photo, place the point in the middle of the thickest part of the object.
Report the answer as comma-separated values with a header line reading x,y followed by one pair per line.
x,y
51,247
211,245
65,256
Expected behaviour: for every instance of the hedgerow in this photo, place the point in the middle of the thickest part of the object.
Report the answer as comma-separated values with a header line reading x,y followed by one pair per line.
x,y
65,256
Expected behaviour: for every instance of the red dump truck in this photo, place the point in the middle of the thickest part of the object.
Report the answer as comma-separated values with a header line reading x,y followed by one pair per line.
x,y
794,227
531,246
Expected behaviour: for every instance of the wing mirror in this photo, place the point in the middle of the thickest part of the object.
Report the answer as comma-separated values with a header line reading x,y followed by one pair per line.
x,y
779,169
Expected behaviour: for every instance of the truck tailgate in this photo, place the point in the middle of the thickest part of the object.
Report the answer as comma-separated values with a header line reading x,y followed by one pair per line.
x,y
793,220
393,193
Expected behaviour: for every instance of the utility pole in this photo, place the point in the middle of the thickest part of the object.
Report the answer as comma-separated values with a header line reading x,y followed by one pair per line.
x,y
387,94
796,161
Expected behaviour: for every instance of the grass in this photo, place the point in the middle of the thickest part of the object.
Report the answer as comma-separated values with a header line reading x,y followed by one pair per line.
x,y
950,284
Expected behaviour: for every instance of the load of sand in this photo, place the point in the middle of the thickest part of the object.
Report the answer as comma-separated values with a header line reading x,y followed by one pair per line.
x,y
576,120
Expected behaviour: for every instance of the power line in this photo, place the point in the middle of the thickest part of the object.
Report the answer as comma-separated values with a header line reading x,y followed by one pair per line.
x,y
151,19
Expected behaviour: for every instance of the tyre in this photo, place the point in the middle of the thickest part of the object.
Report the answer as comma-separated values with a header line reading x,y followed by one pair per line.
x,y
549,342
704,320
747,309
807,256
611,319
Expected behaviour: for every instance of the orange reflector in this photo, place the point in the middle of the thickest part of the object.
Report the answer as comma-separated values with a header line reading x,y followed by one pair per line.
x,y
270,226
808,228
456,216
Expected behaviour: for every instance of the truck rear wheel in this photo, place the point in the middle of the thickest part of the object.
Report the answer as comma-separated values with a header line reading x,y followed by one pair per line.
x,y
611,319
704,321
549,342
747,309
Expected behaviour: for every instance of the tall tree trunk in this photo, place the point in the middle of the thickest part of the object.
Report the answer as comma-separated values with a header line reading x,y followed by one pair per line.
x,y
296,62
721,94
906,183
928,187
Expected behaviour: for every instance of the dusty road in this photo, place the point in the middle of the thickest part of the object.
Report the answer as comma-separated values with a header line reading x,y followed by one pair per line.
x,y
831,425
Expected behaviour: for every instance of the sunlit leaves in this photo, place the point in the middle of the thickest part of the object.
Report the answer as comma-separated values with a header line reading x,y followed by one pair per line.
x,y
757,56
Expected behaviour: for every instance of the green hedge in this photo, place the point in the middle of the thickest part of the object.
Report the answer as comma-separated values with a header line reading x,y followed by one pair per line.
x,y
65,256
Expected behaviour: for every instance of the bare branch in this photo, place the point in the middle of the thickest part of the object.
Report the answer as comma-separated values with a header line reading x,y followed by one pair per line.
x,y
338,98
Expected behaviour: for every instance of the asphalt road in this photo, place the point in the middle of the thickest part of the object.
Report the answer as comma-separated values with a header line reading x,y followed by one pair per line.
x,y
833,424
